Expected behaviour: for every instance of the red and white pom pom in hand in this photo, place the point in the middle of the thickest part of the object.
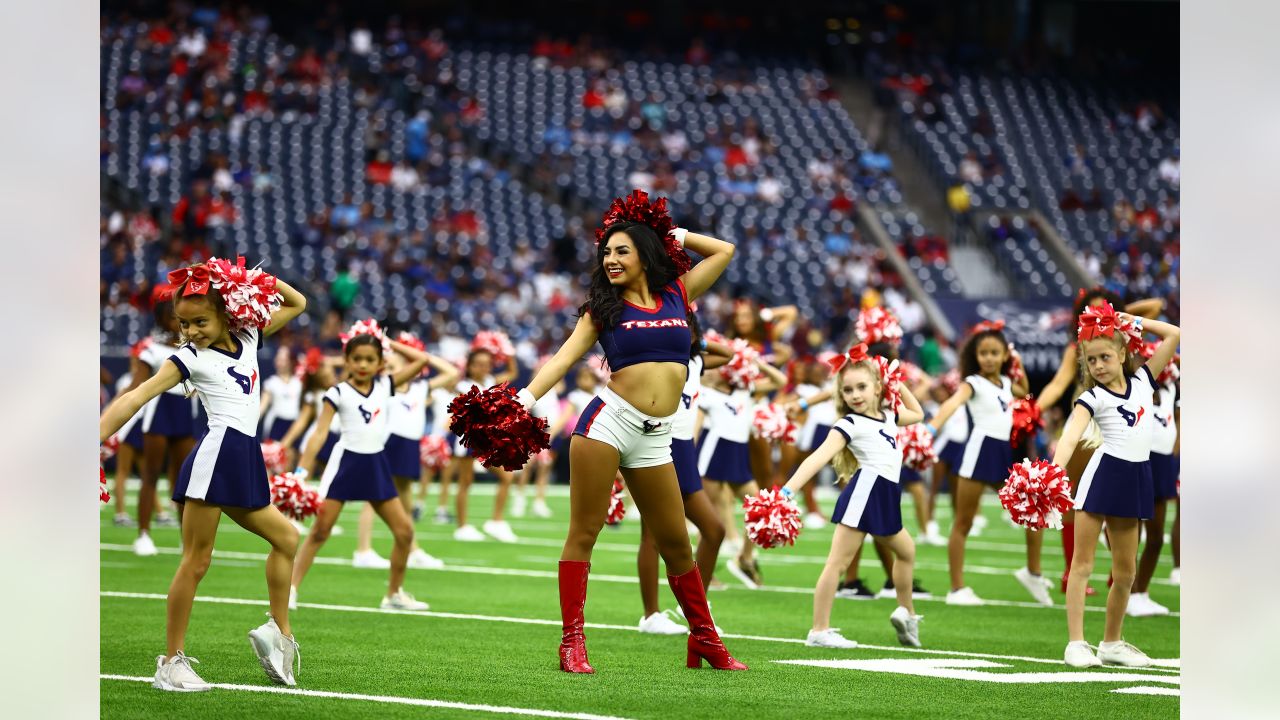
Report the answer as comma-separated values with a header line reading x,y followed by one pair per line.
x,y
366,327
617,508
249,294
950,381
434,452
1036,494
109,448
496,428
103,495
1026,420
273,456
917,447
1171,371
772,519
293,497
771,423
877,325
741,371
496,343
891,376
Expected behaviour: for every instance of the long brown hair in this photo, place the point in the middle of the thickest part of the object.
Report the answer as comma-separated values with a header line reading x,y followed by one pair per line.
x,y
845,462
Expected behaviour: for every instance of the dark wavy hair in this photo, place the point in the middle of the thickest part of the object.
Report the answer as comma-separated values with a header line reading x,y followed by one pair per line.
x,y
360,340
1086,298
604,301
695,332
969,353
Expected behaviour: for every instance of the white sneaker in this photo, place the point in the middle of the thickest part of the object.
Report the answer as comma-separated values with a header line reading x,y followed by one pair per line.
x,y
124,520
829,638
276,653
468,533
1141,605
402,600
500,530
932,536
540,509
518,505
336,529
293,598
422,560
1175,576
963,596
1122,653
144,546
1079,654
1034,585
660,623
979,524
369,560
731,546
814,521
680,612
907,625
177,675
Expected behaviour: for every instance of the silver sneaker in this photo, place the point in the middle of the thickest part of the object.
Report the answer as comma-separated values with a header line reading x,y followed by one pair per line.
x,y
829,638
1034,585
907,625
1079,654
123,520
276,653
176,675
1122,653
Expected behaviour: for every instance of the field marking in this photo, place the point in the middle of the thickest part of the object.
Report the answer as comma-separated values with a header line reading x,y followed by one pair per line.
x,y
556,623
387,699
965,669
1146,690
602,577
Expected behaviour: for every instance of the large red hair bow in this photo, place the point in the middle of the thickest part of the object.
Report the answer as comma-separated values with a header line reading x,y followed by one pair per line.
x,y
856,354
989,326
1103,321
198,275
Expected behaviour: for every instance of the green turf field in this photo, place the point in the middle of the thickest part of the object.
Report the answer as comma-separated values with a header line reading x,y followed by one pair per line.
x,y
488,645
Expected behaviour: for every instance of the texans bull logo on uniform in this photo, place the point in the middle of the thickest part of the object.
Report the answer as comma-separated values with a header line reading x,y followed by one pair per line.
x,y
1129,416
893,441
368,416
1004,406
246,382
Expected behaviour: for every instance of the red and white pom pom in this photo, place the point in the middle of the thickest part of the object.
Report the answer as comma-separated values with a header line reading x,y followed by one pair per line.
x,y
496,343
617,508
249,294
407,338
772,519
1171,371
770,422
916,444
950,381
741,371
366,327
1036,494
434,452
890,376
878,324
1026,420
912,375
109,448
496,428
293,497
104,496
273,456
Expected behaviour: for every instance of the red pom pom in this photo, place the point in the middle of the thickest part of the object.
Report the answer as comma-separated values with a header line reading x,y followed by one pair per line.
x,y
617,508
876,325
1026,420
741,371
434,452
273,456
771,423
250,294
772,519
637,208
1171,371
917,447
1036,494
496,343
294,498
103,495
950,381
496,428
109,448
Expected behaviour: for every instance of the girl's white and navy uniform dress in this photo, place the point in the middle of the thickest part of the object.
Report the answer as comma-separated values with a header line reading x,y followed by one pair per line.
x,y
548,408
440,399
1117,481
408,426
657,334
871,501
684,453
949,445
358,468
1164,437
724,455
226,466
286,403
464,386
171,413
987,453
335,428
818,420
131,432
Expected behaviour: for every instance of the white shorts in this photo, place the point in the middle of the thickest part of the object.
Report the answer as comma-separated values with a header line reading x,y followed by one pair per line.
x,y
641,440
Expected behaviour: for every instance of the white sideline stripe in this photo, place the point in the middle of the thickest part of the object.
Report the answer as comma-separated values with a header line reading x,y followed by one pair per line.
x,y
1146,690
390,699
597,626
627,579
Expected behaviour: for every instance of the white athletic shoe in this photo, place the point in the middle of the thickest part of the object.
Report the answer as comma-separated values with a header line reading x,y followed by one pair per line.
x,y
829,638
369,560
963,596
422,560
468,533
540,509
144,546
907,625
660,623
1122,653
402,600
731,546
814,521
123,520
1034,585
1175,576
1141,605
293,598
276,653
518,505
500,530
979,524
932,536
1079,654
336,529
176,675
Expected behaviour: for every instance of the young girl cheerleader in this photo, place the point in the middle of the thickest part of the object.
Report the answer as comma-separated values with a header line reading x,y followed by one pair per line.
x,y
358,468
281,397
764,329
863,447
225,472
440,399
637,307
1164,477
987,395
539,466
130,433
479,371
1116,487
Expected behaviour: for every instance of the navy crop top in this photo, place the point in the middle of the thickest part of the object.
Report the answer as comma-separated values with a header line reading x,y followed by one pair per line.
x,y
660,334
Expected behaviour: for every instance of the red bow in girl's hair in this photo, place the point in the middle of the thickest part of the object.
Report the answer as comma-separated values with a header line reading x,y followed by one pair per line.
x,y
856,354
308,364
988,326
1098,321
198,275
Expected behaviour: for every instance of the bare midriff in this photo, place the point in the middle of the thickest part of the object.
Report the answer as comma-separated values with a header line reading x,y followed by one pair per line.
x,y
653,388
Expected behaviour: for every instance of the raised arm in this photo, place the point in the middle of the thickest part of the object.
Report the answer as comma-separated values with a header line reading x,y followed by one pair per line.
x,y
293,305
949,407
511,371
447,374
780,318
776,377
417,359
816,461
129,403
580,341
717,355
1022,385
910,412
1149,308
1050,394
716,255
1170,336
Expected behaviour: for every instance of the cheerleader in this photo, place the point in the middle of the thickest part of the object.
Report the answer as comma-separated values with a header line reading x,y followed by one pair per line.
x,y
281,397
225,473
318,374
863,447
130,434
1164,475
1116,487
949,447
479,369
539,466
816,417
358,468
764,329
440,399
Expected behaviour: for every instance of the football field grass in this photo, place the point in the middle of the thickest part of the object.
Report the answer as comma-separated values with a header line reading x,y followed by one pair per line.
x,y
487,646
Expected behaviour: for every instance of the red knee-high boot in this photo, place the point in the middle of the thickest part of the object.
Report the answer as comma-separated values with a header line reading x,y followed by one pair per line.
x,y
573,597
1068,549
704,642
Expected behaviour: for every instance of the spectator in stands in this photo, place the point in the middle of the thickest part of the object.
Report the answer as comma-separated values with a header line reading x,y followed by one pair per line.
x,y
1077,161
1171,170
970,168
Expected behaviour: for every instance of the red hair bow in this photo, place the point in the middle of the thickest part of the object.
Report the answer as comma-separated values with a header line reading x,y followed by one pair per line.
x,y
989,326
1098,321
308,364
856,354
196,277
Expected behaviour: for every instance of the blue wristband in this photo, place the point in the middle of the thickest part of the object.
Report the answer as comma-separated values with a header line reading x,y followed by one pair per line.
x,y
786,492
804,404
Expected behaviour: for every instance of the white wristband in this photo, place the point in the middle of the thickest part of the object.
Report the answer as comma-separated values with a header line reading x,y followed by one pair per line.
x,y
526,398
766,314
678,234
